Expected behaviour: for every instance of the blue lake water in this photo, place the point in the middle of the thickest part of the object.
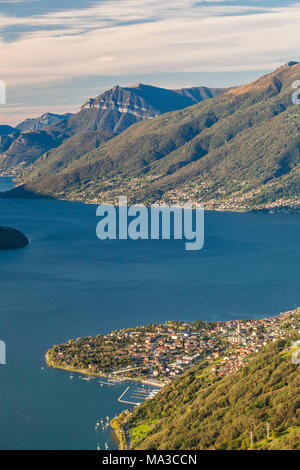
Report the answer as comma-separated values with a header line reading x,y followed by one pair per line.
x,y
67,283
6,184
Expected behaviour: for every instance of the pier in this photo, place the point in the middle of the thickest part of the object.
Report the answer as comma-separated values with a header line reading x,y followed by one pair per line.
x,y
138,394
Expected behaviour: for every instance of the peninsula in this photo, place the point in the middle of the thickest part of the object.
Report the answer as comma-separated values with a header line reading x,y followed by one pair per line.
x,y
225,384
163,352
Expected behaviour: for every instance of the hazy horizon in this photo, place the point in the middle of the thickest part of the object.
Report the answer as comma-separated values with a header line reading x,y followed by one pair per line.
x,y
57,54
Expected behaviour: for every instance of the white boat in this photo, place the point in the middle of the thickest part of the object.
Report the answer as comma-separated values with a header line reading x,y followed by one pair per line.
x,y
98,447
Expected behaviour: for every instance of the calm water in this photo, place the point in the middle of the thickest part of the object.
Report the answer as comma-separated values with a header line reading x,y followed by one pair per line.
x,y
67,283
6,184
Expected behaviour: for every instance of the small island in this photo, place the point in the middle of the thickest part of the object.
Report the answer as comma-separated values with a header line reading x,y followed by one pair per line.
x,y
10,239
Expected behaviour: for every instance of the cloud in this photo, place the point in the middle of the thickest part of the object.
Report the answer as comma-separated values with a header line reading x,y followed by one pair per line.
x,y
114,12
17,1
120,37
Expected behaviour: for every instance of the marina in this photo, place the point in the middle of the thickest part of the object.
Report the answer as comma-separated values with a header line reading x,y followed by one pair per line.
x,y
77,296
136,396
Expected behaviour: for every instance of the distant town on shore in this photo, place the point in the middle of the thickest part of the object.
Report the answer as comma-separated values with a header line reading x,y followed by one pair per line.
x,y
162,352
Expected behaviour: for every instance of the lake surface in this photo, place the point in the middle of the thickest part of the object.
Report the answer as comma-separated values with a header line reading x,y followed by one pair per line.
x,y
67,283
6,184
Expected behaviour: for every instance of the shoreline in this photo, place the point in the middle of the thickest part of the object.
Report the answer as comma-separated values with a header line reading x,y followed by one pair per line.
x,y
291,209
153,382
119,432
256,210
120,423
264,210
124,378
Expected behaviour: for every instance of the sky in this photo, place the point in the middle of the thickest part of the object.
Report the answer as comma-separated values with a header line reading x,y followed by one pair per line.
x,y
55,54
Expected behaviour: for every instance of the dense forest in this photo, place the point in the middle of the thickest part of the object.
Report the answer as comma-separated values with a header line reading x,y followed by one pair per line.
x,y
202,411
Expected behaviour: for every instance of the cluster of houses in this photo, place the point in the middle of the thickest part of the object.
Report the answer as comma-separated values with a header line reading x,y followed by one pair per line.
x,y
200,192
164,352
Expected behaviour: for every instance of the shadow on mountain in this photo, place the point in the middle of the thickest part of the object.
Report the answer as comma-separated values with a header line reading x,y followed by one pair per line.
x,y
22,192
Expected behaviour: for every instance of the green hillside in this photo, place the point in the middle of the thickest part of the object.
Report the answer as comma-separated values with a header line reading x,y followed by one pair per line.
x,y
100,118
70,150
24,148
239,150
202,411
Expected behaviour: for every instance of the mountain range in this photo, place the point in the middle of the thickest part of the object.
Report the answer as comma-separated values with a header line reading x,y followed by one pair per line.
x,y
238,150
45,120
106,115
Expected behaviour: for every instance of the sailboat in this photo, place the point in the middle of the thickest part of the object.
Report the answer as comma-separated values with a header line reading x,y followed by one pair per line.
x,y
98,447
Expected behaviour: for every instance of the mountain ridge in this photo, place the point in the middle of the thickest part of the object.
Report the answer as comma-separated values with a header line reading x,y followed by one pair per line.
x,y
112,112
42,121
237,151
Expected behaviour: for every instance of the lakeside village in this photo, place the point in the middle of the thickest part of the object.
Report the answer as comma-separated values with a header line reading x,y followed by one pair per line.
x,y
156,354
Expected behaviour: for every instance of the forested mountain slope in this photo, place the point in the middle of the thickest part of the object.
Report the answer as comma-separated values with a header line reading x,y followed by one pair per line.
x,y
107,115
239,150
202,411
